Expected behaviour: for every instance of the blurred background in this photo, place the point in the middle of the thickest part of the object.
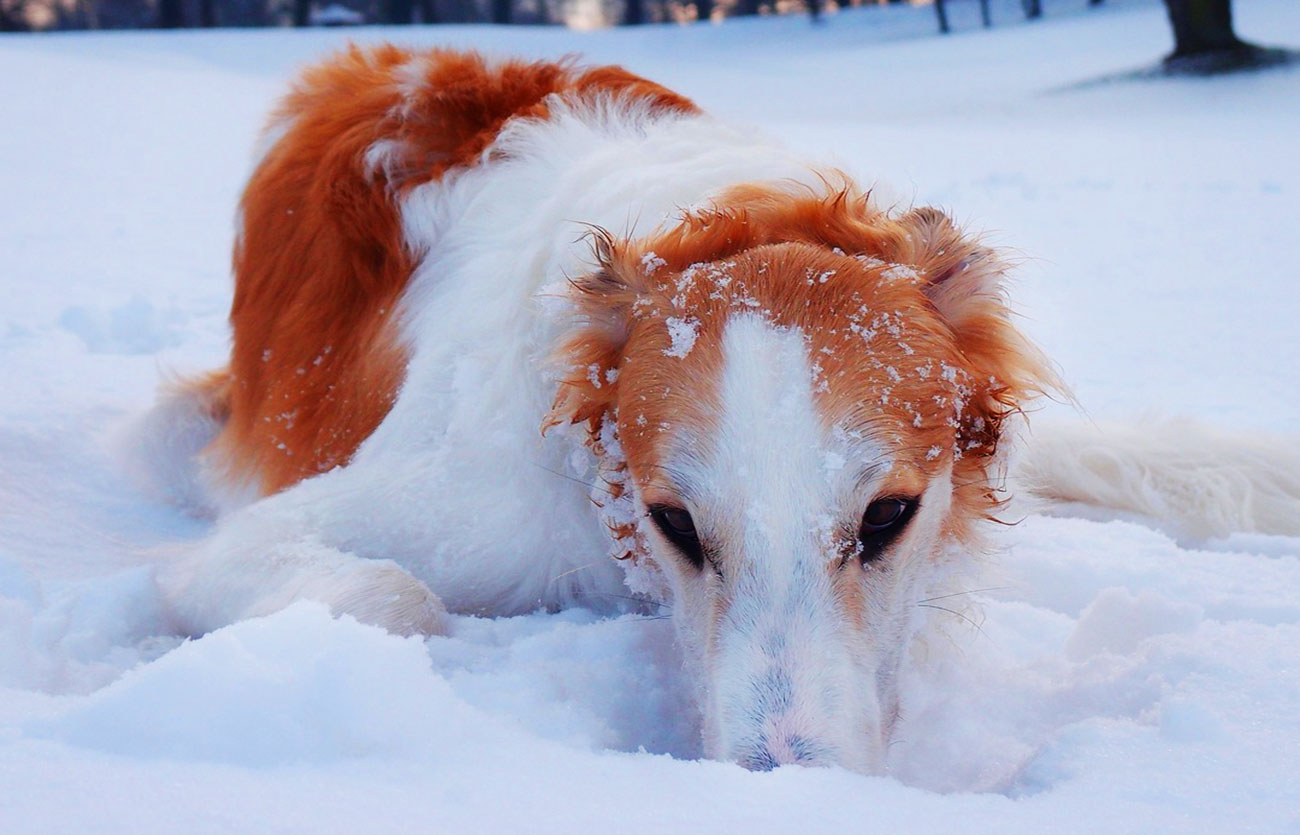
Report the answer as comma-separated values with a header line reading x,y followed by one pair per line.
x,y
1207,21
140,14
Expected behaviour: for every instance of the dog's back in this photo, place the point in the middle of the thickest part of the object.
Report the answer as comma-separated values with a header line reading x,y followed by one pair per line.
x,y
322,259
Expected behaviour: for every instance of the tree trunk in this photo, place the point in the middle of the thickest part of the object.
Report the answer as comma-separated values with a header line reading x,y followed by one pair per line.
x,y
1204,43
703,9
502,11
942,12
1202,26
208,13
633,12
746,7
301,12
428,11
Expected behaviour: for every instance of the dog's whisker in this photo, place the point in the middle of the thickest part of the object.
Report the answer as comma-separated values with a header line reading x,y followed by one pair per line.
x,y
590,485
954,612
633,598
960,593
575,570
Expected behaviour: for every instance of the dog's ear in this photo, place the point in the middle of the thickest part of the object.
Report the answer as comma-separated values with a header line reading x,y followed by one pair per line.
x,y
963,278
591,354
965,281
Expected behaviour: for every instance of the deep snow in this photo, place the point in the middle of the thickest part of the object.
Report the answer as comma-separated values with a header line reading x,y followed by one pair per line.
x,y
1117,680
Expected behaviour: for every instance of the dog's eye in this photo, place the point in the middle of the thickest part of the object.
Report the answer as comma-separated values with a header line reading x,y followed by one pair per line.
x,y
882,514
676,525
883,520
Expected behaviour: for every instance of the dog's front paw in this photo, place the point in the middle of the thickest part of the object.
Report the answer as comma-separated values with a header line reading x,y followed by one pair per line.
x,y
380,593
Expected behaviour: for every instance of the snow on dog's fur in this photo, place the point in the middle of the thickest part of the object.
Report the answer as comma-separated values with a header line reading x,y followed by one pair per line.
x,y
778,405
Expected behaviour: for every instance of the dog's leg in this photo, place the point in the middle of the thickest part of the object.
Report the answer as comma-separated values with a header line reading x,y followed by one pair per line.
x,y
1206,482
250,567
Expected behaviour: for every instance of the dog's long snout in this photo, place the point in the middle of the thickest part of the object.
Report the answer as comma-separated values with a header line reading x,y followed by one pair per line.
x,y
785,695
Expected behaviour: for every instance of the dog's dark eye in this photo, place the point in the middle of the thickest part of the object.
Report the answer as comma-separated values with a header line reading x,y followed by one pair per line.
x,y
883,520
676,525
883,513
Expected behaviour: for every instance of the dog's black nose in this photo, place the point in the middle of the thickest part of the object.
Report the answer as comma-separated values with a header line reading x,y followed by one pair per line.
x,y
759,760
791,750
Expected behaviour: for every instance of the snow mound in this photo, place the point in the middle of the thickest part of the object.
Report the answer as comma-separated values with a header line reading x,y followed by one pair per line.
x,y
298,686
75,637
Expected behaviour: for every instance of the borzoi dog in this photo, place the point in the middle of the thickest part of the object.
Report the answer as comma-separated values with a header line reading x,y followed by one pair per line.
x,y
463,285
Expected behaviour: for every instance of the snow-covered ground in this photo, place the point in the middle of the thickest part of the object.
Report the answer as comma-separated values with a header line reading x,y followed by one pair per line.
x,y
1119,680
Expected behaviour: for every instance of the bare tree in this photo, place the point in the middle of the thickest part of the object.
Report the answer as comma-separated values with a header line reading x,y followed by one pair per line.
x,y
1202,26
941,10
1205,42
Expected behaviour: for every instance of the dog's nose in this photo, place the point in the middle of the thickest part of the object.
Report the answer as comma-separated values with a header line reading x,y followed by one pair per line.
x,y
792,750
760,760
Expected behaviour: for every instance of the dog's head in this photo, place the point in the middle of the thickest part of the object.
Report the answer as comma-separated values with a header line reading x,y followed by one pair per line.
x,y
809,396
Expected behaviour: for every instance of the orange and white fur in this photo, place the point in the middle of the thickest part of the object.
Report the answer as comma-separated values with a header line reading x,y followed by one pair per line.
x,y
759,397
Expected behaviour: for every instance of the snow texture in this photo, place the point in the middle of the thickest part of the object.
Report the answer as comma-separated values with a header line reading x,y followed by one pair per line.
x,y
682,332
1114,677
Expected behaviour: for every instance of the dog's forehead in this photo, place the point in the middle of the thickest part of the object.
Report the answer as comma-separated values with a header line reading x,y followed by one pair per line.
x,y
880,362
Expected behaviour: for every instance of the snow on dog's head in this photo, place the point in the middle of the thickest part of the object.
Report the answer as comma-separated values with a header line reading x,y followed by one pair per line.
x,y
808,394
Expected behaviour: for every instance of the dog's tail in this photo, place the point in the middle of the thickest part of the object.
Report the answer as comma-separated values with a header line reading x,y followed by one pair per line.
x,y
164,448
1202,482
